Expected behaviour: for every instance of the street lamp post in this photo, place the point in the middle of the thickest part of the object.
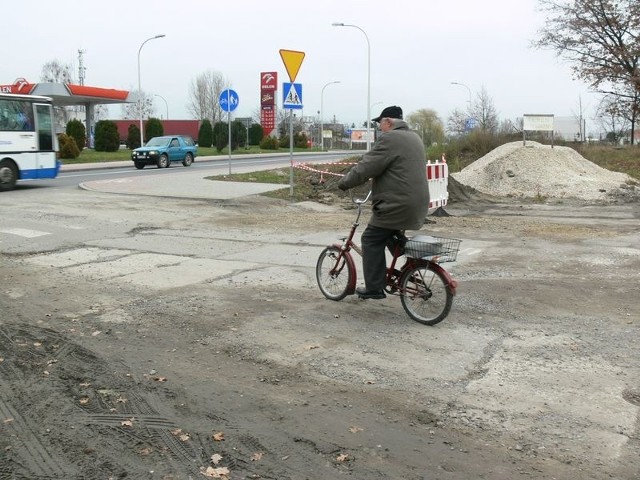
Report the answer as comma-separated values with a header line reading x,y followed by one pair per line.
x,y
340,24
321,106
140,87
373,105
165,103
468,89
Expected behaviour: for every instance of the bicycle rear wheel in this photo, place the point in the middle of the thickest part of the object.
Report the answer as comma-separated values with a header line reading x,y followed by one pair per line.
x,y
333,273
424,294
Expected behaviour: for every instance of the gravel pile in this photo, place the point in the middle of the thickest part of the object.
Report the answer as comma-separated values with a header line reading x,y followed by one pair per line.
x,y
536,170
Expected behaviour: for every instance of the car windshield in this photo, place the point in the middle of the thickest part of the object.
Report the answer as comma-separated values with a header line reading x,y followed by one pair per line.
x,y
158,142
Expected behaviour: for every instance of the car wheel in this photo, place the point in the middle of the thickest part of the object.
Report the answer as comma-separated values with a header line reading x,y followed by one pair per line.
x,y
163,161
139,165
188,160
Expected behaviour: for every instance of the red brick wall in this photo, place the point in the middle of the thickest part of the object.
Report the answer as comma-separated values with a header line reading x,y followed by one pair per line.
x,y
170,127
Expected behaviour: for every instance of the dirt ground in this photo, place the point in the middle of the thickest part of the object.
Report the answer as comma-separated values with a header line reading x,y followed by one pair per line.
x,y
189,340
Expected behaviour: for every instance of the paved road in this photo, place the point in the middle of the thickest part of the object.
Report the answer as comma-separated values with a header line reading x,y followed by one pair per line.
x,y
192,184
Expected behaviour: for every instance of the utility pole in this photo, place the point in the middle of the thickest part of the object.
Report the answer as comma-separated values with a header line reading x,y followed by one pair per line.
x,y
81,67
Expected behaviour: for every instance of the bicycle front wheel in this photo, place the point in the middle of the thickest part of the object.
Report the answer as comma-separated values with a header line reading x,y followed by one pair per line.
x,y
333,273
424,294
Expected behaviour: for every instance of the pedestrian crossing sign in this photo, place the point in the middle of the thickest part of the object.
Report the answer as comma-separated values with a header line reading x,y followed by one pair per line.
x,y
292,96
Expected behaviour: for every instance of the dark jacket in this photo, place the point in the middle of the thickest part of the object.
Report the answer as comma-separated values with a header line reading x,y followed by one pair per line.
x,y
397,165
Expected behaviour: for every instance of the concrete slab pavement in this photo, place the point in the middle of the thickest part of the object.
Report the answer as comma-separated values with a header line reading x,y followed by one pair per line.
x,y
186,185
192,185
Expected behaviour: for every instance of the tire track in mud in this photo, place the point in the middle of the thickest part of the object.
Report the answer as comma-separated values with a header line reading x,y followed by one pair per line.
x,y
32,458
107,424
23,444
100,412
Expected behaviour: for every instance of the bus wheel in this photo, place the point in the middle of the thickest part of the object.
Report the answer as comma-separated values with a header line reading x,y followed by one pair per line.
x,y
8,175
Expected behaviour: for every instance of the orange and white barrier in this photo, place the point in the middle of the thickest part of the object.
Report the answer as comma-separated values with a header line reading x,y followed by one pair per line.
x,y
437,177
438,180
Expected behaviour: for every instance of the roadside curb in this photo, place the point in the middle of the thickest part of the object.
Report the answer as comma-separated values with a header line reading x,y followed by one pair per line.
x,y
75,167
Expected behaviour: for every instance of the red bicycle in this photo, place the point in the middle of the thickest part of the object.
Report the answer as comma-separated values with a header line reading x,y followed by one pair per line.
x,y
425,288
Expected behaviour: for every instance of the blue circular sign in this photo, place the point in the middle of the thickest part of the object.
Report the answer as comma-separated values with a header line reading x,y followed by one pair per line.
x,y
229,100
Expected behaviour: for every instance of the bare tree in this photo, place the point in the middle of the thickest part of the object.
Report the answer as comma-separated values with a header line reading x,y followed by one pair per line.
x,y
601,40
130,110
58,72
286,116
484,113
204,93
100,112
508,127
611,117
428,125
256,115
457,122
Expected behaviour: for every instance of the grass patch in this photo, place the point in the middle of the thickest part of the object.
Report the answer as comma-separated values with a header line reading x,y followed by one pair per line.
x,y
624,159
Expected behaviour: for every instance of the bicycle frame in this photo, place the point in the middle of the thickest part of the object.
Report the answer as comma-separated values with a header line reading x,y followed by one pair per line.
x,y
426,289
393,274
345,249
450,283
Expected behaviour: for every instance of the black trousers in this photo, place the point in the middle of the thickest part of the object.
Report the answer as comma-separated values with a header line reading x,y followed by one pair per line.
x,y
374,262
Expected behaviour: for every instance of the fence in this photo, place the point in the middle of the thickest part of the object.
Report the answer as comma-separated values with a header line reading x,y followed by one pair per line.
x,y
437,177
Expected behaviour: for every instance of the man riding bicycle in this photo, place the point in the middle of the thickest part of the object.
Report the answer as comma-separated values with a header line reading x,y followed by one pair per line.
x,y
400,193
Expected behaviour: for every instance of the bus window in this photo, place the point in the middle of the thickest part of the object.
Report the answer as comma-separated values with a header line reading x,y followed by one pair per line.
x,y
25,117
45,132
16,116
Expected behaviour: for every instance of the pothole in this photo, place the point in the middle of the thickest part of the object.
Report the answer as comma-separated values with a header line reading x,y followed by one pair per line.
x,y
632,396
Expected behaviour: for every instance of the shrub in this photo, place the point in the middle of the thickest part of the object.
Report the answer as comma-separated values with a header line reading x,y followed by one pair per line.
x,y
205,134
238,134
221,135
153,128
68,147
107,138
283,141
255,134
269,143
75,129
133,136
300,140
221,142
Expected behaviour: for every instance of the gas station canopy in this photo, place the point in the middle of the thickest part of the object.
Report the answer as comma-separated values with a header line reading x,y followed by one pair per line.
x,y
66,94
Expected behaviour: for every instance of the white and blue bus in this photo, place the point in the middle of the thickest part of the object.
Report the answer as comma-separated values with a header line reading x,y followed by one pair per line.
x,y
28,142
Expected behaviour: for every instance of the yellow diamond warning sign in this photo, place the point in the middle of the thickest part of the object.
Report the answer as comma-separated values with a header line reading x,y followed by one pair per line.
x,y
292,61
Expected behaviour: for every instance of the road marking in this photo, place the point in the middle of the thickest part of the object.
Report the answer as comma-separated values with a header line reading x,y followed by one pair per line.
x,y
23,232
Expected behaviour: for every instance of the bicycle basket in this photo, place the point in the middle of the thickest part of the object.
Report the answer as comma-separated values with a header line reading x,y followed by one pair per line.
x,y
437,249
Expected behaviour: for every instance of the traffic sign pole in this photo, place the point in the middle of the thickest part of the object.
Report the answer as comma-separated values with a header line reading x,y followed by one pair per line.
x,y
292,60
291,152
229,101
229,125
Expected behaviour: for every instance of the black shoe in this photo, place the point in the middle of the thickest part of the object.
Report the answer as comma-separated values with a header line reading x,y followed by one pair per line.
x,y
365,294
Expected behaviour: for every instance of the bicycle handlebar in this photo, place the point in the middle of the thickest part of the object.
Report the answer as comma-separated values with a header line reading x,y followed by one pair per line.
x,y
359,201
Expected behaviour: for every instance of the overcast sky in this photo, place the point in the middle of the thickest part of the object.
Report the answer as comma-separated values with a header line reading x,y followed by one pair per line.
x,y
417,49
